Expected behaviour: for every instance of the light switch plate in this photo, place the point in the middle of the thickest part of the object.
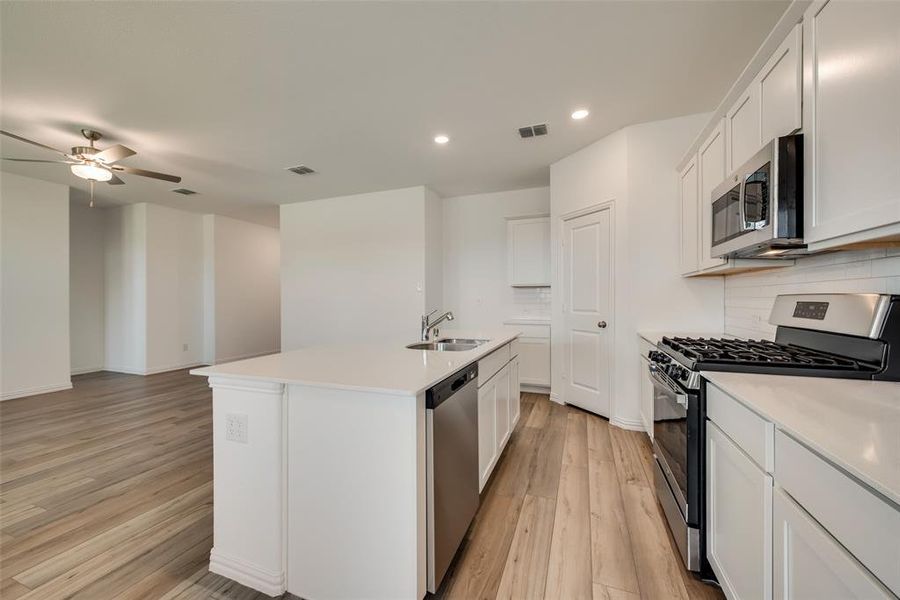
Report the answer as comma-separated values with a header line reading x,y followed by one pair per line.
x,y
236,427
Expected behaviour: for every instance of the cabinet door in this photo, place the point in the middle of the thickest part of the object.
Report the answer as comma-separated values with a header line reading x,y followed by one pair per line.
x,y
809,563
528,251
646,397
739,519
851,91
780,84
502,407
742,129
689,218
534,357
711,159
487,440
514,393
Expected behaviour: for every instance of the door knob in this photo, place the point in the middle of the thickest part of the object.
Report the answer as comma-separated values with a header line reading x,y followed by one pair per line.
x,y
601,324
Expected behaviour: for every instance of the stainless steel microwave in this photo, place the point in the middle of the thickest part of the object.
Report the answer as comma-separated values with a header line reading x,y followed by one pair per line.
x,y
758,210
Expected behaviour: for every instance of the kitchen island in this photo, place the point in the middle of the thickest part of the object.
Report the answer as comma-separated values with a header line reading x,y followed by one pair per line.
x,y
319,481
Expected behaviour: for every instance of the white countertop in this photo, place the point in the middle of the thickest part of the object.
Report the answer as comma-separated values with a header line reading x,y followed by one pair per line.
x,y
386,367
853,423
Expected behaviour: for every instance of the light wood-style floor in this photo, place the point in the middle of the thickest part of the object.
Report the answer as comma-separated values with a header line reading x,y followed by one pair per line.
x,y
106,492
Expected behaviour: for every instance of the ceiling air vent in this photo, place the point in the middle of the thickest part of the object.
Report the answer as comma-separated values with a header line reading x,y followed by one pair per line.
x,y
301,170
533,130
183,191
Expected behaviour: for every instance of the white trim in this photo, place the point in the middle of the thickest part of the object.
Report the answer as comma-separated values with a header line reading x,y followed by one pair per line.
x,y
555,398
33,391
252,576
84,370
228,359
154,371
534,388
629,424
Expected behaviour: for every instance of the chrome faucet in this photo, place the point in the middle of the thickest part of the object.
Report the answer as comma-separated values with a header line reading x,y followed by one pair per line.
x,y
429,326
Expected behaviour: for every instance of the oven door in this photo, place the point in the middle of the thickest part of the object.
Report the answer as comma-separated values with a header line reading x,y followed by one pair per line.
x,y
670,436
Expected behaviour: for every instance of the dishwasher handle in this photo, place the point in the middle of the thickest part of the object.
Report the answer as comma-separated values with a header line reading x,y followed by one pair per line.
x,y
446,388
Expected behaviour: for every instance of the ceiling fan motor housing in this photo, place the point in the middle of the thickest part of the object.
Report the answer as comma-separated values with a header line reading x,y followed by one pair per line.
x,y
85,151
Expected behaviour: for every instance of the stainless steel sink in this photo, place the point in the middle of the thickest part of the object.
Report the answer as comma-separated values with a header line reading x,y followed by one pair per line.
x,y
473,341
442,346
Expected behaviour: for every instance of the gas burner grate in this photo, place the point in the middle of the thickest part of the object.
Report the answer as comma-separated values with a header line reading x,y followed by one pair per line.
x,y
712,351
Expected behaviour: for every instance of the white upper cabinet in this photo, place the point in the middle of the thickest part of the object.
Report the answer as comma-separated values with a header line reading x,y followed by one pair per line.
x,y
711,159
780,85
688,182
851,95
528,247
743,128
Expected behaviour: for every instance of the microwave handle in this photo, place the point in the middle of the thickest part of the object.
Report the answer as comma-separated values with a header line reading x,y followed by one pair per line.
x,y
742,201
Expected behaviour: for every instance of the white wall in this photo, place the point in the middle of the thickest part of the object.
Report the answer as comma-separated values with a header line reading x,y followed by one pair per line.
x,y
125,291
34,286
174,288
434,252
86,287
475,255
353,268
243,289
634,168
749,296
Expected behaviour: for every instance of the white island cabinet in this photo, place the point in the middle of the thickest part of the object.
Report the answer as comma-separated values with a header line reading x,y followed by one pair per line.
x,y
319,470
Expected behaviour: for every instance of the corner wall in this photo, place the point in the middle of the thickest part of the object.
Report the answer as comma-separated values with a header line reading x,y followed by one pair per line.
x,y
635,168
86,287
34,286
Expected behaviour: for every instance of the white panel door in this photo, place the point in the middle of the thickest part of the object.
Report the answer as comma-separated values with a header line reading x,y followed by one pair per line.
x,y
739,519
502,423
690,218
779,89
809,563
711,163
743,128
587,308
487,433
851,95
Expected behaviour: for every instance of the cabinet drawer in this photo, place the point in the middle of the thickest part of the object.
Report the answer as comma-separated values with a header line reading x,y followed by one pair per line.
x,y
753,434
514,348
493,362
866,524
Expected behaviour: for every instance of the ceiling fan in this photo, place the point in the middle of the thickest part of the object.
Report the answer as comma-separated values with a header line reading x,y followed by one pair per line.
x,y
92,163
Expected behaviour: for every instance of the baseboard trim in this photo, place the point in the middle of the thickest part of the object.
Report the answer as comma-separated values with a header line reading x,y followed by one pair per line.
x,y
534,389
229,359
555,397
629,424
34,391
252,576
154,371
85,370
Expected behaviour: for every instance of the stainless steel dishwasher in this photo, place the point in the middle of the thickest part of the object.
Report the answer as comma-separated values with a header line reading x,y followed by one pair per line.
x,y
451,430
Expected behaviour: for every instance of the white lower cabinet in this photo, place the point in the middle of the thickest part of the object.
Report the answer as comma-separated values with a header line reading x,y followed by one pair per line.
x,y
498,412
739,519
810,564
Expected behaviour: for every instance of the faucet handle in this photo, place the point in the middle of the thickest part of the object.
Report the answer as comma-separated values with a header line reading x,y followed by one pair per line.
x,y
425,318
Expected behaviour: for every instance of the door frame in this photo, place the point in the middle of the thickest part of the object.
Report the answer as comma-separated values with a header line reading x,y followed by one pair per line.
x,y
562,265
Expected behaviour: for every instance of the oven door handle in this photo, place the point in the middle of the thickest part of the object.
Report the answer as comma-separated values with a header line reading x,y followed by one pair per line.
x,y
663,380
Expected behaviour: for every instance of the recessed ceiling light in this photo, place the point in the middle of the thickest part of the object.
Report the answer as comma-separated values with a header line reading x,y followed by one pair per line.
x,y
580,114
441,139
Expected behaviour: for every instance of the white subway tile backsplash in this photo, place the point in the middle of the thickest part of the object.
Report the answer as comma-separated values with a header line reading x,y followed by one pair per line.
x,y
531,302
749,296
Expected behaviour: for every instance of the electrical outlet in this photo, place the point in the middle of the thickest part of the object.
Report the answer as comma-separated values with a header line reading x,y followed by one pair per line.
x,y
236,427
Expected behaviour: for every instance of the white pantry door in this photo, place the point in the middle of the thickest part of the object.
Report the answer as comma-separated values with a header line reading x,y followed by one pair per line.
x,y
587,302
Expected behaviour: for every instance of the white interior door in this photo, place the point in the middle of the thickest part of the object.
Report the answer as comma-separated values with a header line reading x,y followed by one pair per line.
x,y
587,303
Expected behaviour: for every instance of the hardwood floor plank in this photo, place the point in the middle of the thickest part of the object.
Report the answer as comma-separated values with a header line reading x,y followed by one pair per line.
x,y
525,573
611,555
604,592
575,451
598,438
628,457
569,571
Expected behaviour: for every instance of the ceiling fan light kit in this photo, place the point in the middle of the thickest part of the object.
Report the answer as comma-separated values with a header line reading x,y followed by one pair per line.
x,y
93,164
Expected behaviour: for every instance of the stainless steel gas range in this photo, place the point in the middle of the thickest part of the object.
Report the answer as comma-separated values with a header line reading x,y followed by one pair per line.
x,y
818,335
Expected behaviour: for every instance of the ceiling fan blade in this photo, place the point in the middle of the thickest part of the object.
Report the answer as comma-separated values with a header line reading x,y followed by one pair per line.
x,y
115,180
32,142
53,162
144,173
114,154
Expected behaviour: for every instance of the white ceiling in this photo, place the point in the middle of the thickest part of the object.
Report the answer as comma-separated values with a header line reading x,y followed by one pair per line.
x,y
229,94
